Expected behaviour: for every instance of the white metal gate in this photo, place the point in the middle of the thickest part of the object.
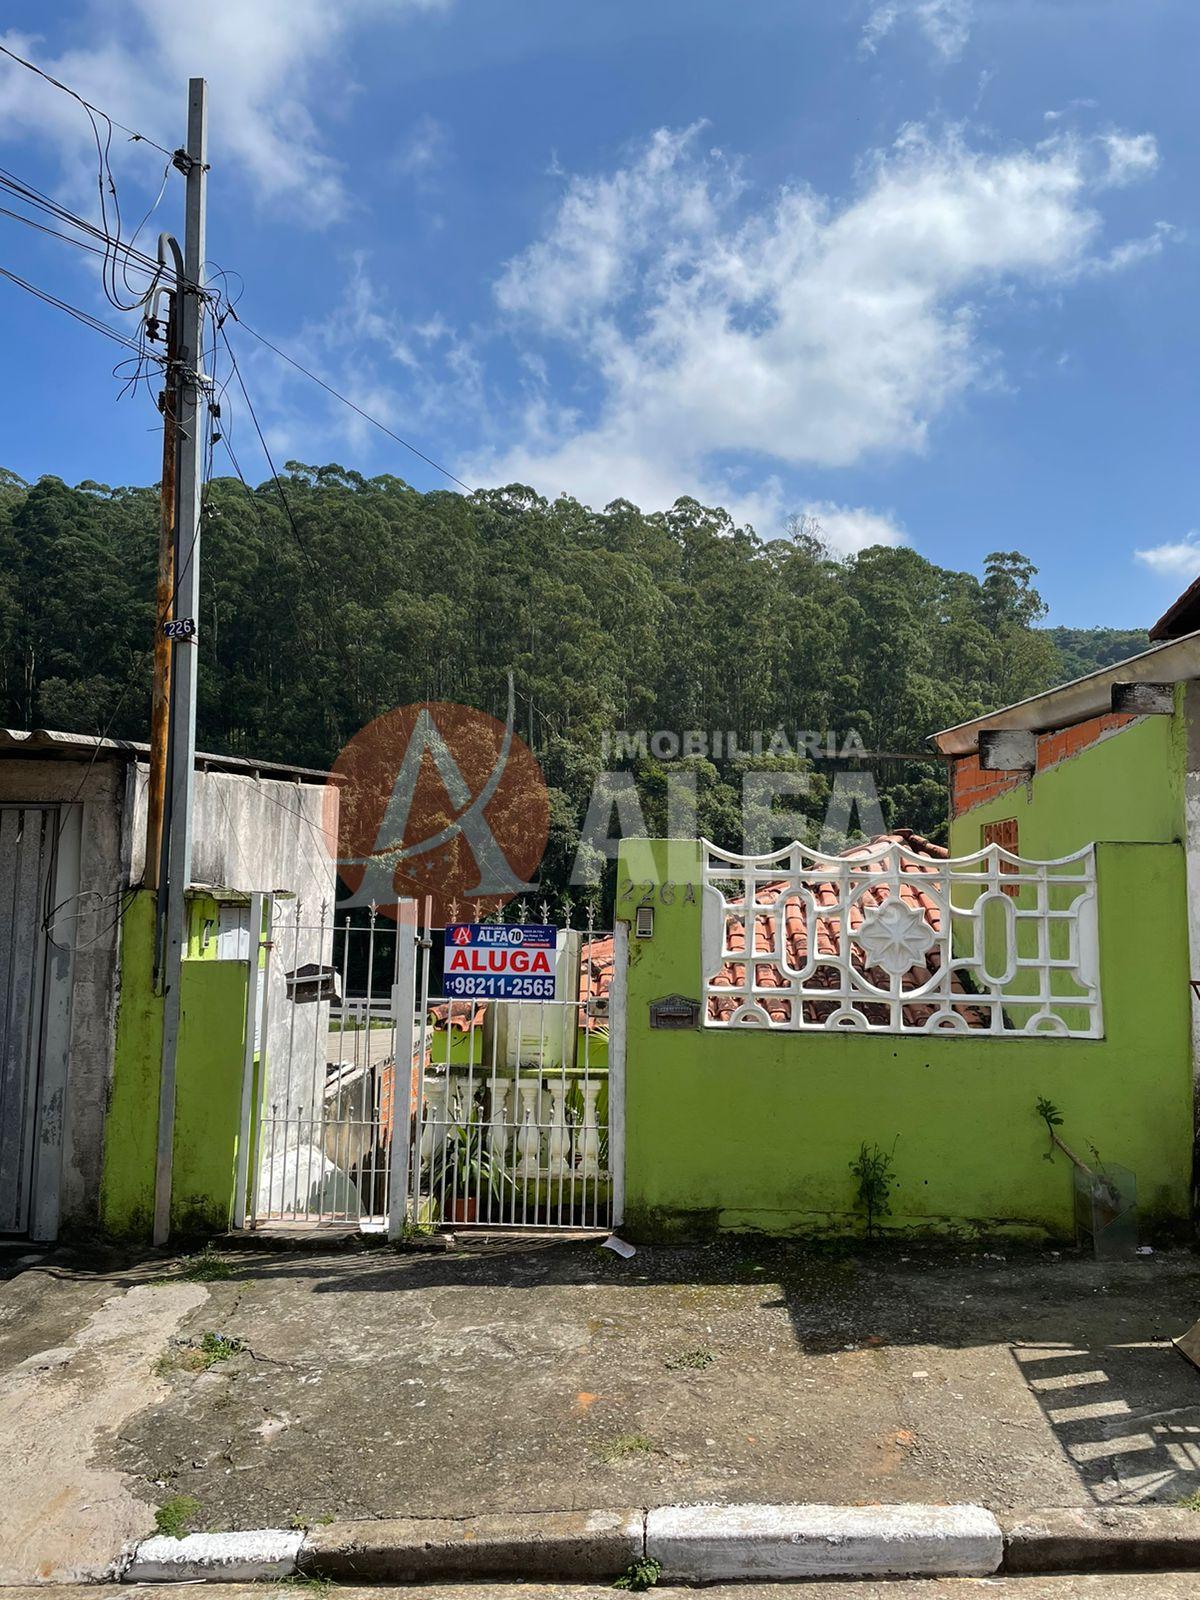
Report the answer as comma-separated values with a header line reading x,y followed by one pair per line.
x,y
401,1108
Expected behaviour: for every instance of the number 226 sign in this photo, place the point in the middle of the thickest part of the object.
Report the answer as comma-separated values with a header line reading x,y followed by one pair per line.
x,y
489,961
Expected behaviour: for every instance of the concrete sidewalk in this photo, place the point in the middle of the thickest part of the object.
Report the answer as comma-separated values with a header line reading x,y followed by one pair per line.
x,y
1134,1586
553,1375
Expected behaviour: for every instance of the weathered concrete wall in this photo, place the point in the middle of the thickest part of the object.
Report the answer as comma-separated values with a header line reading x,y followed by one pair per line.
x,y
267,834
100,791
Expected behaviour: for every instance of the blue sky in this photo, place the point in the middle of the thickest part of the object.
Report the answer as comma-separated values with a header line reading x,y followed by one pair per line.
x,y
925,269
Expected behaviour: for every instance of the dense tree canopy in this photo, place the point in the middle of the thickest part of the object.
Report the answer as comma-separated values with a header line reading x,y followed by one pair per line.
x,y
357,595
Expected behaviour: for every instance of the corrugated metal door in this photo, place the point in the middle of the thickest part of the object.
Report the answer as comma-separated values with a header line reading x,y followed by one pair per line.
x,y
28,844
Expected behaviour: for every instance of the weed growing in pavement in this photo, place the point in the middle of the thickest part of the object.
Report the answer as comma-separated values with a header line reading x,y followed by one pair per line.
x,y
298,1524
188,1356
207,1267
1190,1502
301,1580
624,1446
175,1516
873,1169
639,1575
696,1360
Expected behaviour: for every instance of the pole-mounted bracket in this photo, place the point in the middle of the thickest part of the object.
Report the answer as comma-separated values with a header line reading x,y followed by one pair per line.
x,y
182,162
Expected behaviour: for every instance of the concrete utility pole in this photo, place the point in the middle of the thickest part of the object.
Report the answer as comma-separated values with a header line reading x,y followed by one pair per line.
x,y
181,764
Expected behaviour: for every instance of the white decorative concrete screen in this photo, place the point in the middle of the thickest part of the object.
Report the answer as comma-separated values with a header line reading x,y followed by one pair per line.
x,y
896,936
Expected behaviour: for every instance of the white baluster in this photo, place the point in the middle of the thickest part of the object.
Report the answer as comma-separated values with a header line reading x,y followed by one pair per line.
x,y
589,1140
497,1133
529,1140
558,1143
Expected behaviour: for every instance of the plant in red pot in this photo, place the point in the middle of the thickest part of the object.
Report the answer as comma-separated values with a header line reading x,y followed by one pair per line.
x,y
463,1176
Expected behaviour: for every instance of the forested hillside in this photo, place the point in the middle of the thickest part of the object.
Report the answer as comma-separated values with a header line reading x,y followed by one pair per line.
x,y
370,595
1084,650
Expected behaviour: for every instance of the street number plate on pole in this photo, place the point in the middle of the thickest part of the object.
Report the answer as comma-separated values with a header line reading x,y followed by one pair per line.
x,y
180,628
489,961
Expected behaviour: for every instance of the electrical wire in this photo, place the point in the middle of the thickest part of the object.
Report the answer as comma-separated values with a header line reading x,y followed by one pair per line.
x,y
114,243
329,389
31,195
80,244
80,315
134,136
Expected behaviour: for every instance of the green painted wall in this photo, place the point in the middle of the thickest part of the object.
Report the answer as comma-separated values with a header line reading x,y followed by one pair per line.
x,y
757,1129
208,1087
131,1122
1129,786
208,1094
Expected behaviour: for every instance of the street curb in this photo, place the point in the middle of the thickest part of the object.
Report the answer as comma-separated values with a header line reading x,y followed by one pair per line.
x,y
695,1544
567,1545
215,1557
713,1544
1109,1539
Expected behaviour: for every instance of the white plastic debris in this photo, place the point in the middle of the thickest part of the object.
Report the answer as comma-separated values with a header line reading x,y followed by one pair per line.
x,y
618,1247
1145,1250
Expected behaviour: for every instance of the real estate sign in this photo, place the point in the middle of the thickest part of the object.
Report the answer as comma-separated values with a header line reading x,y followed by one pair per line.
x,y
491,961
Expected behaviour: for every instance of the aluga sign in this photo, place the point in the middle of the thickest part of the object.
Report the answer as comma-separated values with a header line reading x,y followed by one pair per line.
x,y
489,961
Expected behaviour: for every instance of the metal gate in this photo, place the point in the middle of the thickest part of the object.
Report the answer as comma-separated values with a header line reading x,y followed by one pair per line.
x,y
401,1108
39,878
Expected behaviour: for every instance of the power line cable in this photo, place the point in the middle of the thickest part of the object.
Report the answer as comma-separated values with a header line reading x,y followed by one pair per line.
x,y
80,244
329,389
134,136
115,242
80,315
21,189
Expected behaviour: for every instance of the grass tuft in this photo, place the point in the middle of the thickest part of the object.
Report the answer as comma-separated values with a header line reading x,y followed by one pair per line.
x,y
207,1267
624,1446
694,1360
175,1516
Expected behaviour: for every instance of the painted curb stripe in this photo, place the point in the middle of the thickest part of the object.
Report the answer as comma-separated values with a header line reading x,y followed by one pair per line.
x,y
215,1557
713,1543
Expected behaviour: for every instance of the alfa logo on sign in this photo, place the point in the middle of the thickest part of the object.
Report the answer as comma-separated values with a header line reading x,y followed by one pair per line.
x,y
488,961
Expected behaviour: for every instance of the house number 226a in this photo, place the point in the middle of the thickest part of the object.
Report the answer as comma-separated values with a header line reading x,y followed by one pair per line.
x,y
645,894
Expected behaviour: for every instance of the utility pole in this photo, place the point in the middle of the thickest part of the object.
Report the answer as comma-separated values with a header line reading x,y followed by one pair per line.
x,y
164,611
191,426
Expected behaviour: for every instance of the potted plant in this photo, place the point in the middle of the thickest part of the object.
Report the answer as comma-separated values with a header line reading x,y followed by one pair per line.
x,y
462,1171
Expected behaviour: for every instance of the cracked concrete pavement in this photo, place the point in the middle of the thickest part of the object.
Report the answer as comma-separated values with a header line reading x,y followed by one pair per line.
x,y
77,1360
543,1375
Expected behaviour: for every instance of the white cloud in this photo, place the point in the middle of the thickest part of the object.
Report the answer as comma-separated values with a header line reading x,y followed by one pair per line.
x,y
1083,103
266,63
1178,559
848,529
946,24
1131,157
1132,251
802,333
424,150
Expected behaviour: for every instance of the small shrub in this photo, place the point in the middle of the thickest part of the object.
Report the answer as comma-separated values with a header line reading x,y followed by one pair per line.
x,y
873,1169
175,1516
639,1575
